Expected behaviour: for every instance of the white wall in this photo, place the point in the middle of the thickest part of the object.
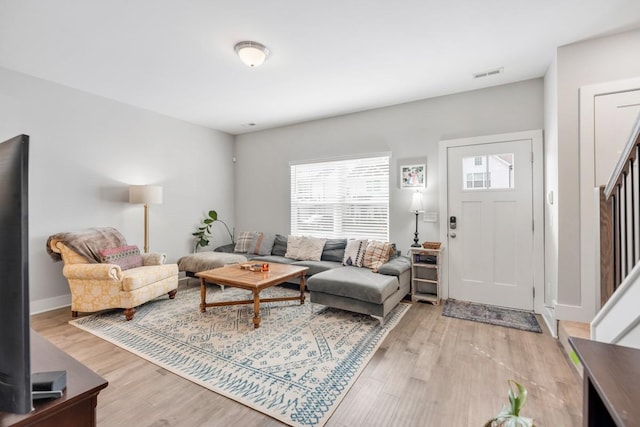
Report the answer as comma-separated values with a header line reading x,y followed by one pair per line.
x,y
593,61
407,131
84,152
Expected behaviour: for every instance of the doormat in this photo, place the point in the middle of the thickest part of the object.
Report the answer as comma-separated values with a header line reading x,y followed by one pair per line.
x,y
492,315
296,367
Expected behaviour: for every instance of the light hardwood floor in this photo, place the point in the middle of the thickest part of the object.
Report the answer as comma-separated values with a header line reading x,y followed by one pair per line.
x,y
430,371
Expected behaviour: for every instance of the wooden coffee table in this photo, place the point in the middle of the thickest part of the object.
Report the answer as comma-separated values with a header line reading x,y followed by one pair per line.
x,y
255,281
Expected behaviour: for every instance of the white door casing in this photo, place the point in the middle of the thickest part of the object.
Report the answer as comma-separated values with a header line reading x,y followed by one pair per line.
x,y
497,256
614,114
589,201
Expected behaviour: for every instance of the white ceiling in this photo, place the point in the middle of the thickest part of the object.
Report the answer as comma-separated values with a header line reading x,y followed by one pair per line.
x,y
328,57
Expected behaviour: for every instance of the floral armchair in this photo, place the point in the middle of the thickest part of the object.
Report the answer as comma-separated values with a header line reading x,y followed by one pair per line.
x,y
112,276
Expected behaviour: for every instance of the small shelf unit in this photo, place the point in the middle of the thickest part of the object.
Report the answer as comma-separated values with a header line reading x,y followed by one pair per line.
x,y
425,275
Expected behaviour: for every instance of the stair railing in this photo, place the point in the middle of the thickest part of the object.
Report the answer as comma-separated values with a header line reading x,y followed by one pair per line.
x,y
620,219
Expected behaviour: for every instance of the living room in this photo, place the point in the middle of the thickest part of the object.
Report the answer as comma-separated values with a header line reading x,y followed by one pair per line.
x,y
87,149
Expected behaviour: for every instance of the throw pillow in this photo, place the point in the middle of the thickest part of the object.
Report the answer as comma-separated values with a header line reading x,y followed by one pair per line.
x,y
279,245
354,253
311,248
243,241
305,248
376,254
262,244
334,250
293,247
125,256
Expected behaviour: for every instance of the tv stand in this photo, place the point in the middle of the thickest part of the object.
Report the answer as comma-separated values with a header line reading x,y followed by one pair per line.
x,y
610,391
76,407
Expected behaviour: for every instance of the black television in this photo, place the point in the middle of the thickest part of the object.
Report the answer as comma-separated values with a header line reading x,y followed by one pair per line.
x,y
15,325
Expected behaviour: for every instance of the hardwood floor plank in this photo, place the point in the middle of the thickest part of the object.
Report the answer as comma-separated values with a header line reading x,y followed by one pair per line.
x,y
356,405
383,413
430,371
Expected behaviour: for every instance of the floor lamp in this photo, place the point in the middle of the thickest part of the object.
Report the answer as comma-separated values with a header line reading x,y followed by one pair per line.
x,y
147,194
416,208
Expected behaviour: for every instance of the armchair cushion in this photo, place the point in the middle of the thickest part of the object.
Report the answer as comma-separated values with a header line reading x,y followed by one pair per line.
x,y
139,277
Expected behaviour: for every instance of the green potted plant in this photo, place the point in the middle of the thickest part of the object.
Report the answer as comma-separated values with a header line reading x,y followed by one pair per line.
x,y
203,235
510,416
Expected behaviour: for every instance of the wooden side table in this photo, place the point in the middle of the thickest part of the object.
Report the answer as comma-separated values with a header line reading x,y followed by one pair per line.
x,y
425,276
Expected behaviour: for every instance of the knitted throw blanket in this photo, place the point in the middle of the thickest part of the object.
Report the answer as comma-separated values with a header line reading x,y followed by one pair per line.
x,y
88,242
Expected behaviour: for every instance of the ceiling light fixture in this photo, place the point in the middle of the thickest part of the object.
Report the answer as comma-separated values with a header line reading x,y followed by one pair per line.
x,y
252,53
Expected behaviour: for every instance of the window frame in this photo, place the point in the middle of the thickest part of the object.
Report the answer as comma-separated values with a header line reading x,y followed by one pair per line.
x,y
344,197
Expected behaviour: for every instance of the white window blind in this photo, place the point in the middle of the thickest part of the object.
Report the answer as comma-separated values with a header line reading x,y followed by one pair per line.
x,y
341,198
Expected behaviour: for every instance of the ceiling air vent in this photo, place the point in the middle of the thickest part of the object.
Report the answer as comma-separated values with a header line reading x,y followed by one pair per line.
x,y
488,73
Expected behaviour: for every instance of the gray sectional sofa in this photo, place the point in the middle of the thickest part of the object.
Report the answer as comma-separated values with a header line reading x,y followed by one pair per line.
x,y
346,287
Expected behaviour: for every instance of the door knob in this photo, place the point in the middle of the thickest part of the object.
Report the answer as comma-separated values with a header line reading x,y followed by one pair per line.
x,y
452,235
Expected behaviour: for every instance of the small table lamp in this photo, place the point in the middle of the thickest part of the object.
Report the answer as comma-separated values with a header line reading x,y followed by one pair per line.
x,y
416,207
146,194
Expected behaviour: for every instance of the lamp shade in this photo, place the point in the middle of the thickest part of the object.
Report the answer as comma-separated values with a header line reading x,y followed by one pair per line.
x,y
416,203
147,194
252,54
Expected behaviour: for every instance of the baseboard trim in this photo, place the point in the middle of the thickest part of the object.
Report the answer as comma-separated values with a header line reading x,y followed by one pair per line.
x,y
48,304
575,313
548,315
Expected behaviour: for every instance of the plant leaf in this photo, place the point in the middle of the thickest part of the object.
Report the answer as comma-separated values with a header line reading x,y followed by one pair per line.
x,y
517,401
213,215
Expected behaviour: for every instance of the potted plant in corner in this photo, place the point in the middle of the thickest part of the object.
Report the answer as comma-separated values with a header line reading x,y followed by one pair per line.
x,y
203,235
510,416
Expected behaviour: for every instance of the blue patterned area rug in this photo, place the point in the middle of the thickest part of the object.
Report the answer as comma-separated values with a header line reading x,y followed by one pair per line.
x,y
296,367
492,315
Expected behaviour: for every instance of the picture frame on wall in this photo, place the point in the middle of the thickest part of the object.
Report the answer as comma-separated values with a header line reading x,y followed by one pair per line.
x,y
413,175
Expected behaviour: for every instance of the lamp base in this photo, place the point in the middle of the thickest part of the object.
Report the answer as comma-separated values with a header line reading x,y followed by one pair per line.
x,y
415,235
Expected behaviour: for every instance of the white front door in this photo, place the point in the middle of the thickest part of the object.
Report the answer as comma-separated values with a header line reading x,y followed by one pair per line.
x,y
490,223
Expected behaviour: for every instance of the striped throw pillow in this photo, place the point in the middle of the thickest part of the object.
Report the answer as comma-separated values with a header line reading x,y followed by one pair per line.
x,y
243,242
377,253
125,256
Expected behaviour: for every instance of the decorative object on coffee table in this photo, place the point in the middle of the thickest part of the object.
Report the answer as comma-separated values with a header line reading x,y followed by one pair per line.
x,y
203,235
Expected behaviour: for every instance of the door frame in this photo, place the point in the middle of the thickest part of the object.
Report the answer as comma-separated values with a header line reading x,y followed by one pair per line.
x,y
590,203
535,136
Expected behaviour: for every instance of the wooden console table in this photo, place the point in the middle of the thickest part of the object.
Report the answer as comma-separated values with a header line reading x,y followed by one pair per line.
x,y
611,383
76,407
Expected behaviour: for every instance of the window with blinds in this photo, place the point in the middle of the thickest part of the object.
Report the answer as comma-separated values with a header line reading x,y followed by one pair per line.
x,y
341,199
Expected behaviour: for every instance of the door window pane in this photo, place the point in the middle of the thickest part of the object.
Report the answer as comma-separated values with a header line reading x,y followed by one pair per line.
x,y
489,172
